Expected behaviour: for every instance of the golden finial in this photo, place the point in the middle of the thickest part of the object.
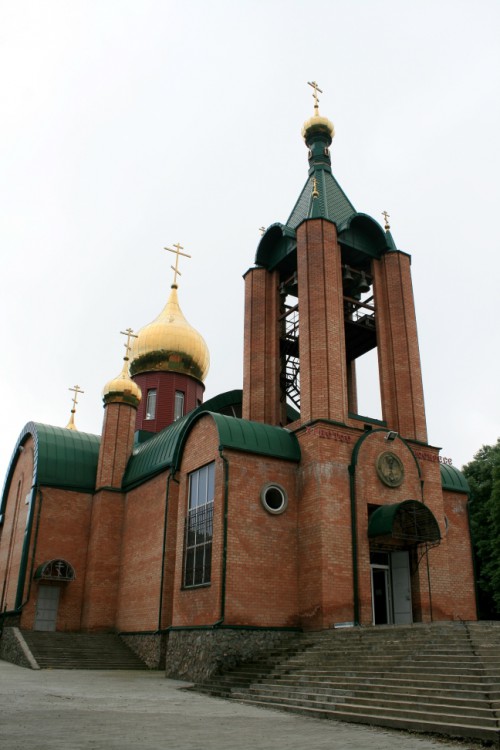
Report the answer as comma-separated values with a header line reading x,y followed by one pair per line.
x,y
175,268
315,95
386,217
76,390
262,230
315,193
128,332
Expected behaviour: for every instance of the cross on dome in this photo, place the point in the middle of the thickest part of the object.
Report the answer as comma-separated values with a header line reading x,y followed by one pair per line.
x,y
76,390
175,269
128,332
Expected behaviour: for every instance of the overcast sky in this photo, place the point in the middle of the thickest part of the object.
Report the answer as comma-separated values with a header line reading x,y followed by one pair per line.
x,y
130,125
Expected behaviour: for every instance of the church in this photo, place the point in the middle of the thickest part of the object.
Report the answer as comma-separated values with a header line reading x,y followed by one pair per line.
x,y
195,527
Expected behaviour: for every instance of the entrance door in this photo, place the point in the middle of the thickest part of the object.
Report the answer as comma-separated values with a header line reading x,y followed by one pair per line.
x,y
401,587
381,595
46,608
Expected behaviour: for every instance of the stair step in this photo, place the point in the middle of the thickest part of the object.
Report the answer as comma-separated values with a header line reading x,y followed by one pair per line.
x,y
81,651
461,730
433,678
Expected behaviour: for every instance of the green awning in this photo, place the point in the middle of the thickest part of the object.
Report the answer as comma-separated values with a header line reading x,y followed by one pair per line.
x,y
410,521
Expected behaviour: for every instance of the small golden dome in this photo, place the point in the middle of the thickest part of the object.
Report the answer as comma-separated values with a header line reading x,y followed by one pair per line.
x,y
170,344
122,389
317,124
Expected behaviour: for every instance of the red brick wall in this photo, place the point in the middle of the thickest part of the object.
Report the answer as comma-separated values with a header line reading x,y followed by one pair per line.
x,y
12,530
325,548
116,444
262,561
261,359
141,556
199,606
261,569
103,561
166,383
63,533
399,358
460,555
323,374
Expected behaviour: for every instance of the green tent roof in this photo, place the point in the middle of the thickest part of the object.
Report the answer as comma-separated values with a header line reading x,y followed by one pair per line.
x,y
332,202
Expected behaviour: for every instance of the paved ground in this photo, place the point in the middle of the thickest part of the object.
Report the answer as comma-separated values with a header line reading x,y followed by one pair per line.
x,y
106,710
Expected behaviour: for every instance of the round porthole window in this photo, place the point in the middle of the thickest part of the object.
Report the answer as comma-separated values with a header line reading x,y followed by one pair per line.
x,y
274,498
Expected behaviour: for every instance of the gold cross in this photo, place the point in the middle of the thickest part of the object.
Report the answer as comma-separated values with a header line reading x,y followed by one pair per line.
x,y
175,268
76,390
315,95
386,217
130,335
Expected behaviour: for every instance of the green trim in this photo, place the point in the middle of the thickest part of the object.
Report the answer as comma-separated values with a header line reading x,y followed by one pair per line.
x,y
224,538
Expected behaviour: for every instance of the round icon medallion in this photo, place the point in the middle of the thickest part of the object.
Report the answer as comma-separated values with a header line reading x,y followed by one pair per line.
x,y
390,469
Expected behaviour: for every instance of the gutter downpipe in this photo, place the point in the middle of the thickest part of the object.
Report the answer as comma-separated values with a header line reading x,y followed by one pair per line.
x,y
220,621
164,548
354,541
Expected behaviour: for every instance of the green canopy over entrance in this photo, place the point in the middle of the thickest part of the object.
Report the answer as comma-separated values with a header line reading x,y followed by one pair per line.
x,y
410,521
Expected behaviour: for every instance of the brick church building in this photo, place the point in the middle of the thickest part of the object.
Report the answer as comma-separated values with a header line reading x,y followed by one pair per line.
x,y
211,527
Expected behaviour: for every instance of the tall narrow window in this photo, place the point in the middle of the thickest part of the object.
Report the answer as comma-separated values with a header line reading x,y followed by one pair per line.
x,y
179,405
151,404
199,527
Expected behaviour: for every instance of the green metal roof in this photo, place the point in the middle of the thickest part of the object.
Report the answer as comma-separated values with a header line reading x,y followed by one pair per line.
x,y
164,450
410,520
453,479
256,437
332,202
62,458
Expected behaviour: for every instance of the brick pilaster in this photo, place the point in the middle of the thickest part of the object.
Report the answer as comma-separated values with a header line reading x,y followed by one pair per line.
x,y
261,362
323,376
400,372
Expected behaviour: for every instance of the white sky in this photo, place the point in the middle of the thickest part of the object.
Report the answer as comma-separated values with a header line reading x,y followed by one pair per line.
x,y
130,125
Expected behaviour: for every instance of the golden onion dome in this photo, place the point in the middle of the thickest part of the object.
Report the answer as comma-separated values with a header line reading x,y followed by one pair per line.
x,y
317,124
122,389
170,344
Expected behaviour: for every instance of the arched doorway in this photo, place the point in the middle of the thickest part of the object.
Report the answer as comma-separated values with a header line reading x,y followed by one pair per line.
x,y
49,575
395,532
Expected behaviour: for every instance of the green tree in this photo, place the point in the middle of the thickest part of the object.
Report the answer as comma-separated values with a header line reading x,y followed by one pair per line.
x,y
483,475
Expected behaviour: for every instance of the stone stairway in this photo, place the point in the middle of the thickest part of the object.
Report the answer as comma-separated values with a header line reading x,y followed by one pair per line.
x,y
442,678
80,651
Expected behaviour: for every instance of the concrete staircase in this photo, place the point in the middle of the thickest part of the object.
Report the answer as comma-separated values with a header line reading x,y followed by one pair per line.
x,y
442,678
80,651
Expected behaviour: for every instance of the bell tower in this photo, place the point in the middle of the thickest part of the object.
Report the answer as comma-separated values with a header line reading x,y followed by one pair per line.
x,y
329,286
